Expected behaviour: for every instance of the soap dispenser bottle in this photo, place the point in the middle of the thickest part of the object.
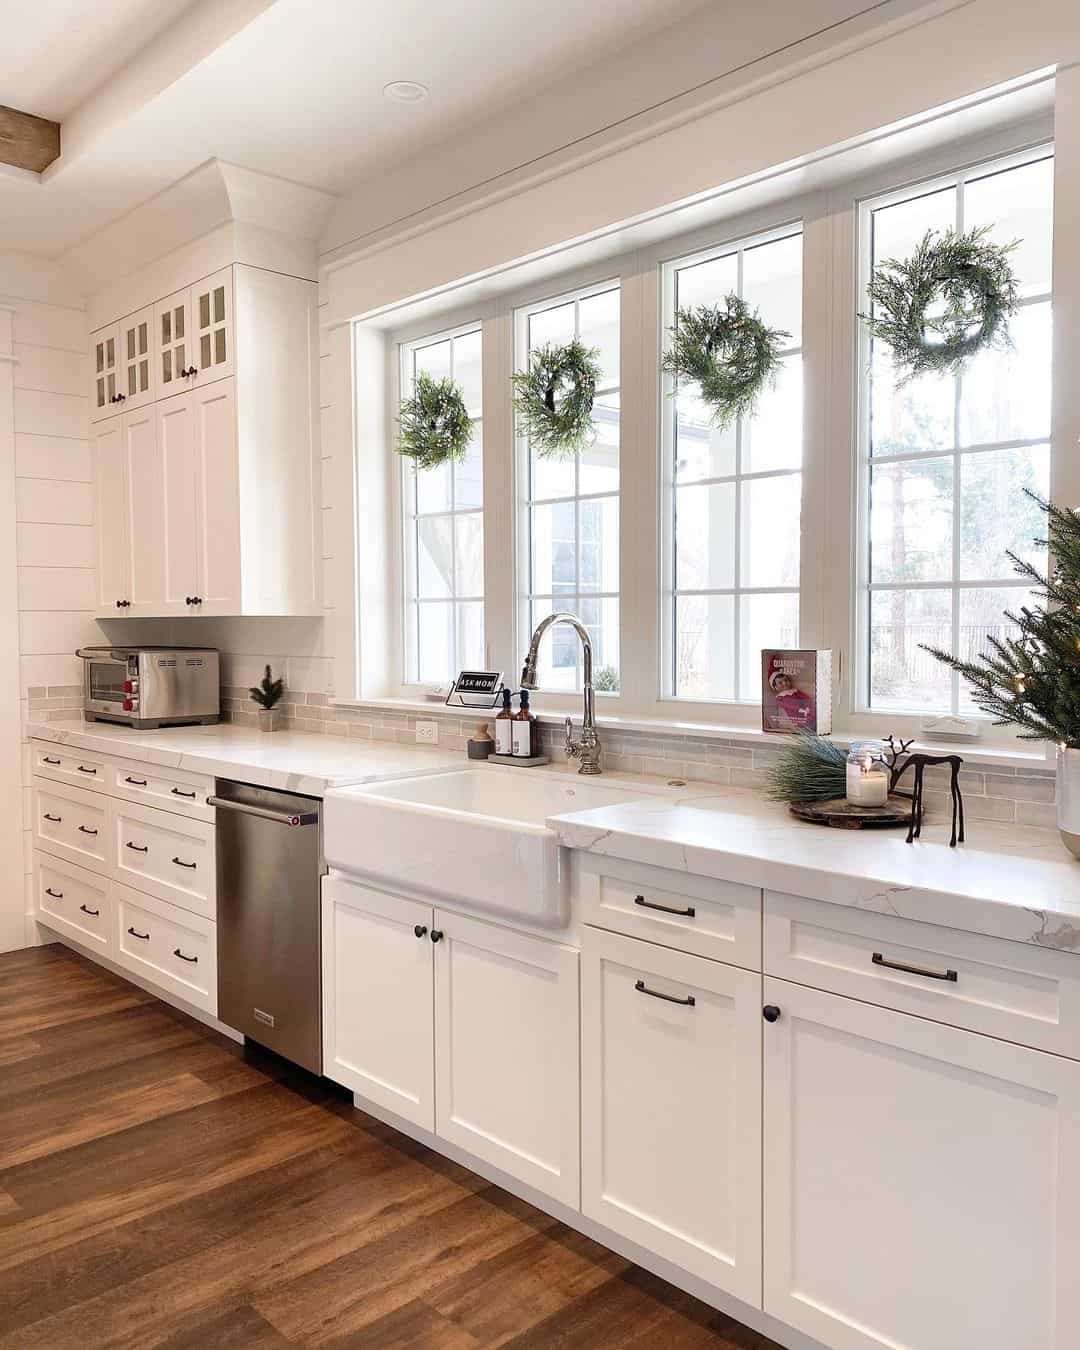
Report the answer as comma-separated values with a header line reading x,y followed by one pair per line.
x,y
524,730
504,727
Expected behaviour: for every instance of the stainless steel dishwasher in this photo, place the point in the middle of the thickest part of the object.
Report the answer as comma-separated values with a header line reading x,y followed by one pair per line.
x,y
269,868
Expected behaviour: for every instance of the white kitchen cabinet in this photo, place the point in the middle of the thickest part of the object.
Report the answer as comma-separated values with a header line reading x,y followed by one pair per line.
x,y
506,1051
378,998
671,1106
104,372
168,946
71,823
136,381
75,902
166,855
920,1181
213,509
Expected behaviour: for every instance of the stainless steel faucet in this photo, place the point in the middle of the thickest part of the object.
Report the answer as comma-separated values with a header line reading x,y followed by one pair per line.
x,y
587,749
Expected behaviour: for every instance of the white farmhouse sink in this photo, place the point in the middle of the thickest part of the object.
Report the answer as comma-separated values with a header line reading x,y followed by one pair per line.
x,y
476,836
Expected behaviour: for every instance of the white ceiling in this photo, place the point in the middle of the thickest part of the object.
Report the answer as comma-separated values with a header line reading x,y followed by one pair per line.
x,y
286,87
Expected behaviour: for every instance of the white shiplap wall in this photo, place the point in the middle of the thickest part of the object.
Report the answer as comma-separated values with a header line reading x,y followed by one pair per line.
x,y
53,503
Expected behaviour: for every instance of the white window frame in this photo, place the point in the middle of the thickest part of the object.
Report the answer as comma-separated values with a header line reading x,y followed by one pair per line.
x,y
861,672
668,272
833,496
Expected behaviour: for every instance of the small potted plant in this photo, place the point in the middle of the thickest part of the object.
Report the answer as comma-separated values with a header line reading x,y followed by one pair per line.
x,y
267,695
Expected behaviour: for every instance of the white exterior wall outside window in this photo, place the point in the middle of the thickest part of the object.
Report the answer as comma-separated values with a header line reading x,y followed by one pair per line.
x,y
443,525
945,461
733,496
569,536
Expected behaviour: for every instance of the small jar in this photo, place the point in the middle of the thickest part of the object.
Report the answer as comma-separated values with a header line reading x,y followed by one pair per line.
x,y
867,774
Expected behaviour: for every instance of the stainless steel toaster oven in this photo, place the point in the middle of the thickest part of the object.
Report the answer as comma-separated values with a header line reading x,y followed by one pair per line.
x,y
151,686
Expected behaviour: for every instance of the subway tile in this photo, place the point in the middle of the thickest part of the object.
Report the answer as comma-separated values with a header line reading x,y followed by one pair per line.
x,y
1037,813
1020,789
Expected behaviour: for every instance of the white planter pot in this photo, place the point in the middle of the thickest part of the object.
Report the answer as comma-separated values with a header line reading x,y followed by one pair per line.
x,y
271,719
1068,798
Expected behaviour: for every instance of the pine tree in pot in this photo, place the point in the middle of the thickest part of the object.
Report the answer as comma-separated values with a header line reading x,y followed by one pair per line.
x,y
1032,681
267,694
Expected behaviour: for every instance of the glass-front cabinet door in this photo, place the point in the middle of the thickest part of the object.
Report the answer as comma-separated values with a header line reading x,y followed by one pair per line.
x,y
104,373
173,362
136,378
212,321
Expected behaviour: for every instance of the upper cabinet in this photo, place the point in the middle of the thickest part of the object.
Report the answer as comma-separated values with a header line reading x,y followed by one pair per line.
x,y
207,497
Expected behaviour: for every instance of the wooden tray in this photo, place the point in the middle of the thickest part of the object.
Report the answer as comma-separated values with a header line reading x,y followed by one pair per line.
x,y
842,815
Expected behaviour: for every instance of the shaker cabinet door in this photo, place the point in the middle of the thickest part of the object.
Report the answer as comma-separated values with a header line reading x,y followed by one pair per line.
x,y
180,497
110,517
920,1181
218,488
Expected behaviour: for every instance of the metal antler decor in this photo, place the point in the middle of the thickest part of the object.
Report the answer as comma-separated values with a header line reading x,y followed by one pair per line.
x,y
900,761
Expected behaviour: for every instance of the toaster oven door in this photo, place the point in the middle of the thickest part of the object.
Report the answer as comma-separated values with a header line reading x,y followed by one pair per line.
x,y
105,679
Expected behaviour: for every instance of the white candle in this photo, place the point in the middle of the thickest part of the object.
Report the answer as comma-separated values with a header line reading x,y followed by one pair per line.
x,y
867,782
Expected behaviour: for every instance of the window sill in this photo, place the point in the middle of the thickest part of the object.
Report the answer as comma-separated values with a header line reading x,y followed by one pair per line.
x,y
1016,761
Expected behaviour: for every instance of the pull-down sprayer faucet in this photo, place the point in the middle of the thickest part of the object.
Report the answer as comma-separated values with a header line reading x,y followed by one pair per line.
x,y
587,749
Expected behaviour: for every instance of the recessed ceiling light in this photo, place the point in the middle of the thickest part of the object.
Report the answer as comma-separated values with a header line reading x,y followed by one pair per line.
x,y
406,91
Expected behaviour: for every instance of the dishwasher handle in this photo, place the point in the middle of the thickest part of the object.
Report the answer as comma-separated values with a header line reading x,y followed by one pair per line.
x,y
278,817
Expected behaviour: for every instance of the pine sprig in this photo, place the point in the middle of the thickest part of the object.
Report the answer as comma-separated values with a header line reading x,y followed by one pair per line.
x,y
1033,681
974,280
268,692
434,424
811,769
728,352
554,398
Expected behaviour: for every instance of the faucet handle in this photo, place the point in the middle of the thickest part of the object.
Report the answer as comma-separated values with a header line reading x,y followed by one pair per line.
x,y
571,747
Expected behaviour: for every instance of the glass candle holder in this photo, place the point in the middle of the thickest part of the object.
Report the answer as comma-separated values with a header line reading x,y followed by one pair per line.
x,y
867,774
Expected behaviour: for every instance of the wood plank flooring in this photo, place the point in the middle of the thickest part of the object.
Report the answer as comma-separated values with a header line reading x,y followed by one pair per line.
x,y
160,1188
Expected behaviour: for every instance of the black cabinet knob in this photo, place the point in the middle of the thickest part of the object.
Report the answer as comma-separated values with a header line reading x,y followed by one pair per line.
x,y
420,929
436,935
771,1012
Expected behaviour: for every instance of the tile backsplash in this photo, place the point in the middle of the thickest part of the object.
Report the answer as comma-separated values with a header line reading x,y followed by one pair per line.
x,y
992,792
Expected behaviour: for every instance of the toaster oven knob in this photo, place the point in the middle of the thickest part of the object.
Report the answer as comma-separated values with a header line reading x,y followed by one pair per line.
x,y
128,686
129,705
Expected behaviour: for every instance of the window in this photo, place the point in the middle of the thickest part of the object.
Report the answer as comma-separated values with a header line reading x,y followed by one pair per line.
x,y
945,461
570,507
733,497
443,526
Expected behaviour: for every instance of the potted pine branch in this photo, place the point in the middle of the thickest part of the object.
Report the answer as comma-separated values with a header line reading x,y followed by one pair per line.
x,y
267,694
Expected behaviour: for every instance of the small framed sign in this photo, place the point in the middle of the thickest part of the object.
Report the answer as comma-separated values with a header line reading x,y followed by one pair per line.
x,y
796,690
475,689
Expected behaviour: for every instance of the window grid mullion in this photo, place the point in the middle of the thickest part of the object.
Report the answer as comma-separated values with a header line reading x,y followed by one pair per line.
x,y
736,623
958,396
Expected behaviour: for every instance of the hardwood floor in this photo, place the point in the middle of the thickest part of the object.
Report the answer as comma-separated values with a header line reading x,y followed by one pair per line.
x,y
159,1188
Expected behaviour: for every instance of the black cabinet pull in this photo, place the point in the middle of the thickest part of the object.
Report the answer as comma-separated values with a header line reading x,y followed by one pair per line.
x,y
193,600
689,912
123,604
878,960
436,935
180,863
143,937
771,1012
56,895
136,782
85,829
194,960
46,760
419,929
688,1002
84,769
137,848
178,793
94,913
55,820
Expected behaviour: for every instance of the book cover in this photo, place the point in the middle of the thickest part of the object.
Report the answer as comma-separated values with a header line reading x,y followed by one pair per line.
x,y
796,690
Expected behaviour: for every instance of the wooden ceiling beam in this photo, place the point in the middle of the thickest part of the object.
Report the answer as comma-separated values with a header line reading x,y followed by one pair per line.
x,y
26,141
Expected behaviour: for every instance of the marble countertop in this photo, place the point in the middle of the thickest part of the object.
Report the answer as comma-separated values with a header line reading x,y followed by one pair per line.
x,y
291,760
1011,882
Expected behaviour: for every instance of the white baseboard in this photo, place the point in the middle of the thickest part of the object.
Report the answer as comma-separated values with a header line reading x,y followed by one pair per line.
x,y
716,1298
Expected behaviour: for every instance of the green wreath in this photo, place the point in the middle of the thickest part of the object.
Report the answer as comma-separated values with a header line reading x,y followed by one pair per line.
x,y
435,426
554,398
728,352
970,275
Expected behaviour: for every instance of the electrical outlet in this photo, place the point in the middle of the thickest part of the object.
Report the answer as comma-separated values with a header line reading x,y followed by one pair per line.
x,y
427,733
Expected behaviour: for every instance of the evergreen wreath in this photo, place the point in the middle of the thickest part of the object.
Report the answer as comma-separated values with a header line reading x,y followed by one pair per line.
x,y
728,352
554,398
435,426
974,279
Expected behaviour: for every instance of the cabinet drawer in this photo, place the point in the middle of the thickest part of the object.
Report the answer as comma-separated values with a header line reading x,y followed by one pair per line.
x,y
711,918
74,902
64,766
1005,989
171,789
167,946
165,855
71,824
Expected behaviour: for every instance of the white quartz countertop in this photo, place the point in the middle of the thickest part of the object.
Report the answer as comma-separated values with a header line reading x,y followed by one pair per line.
x,y
294,761
1006,881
